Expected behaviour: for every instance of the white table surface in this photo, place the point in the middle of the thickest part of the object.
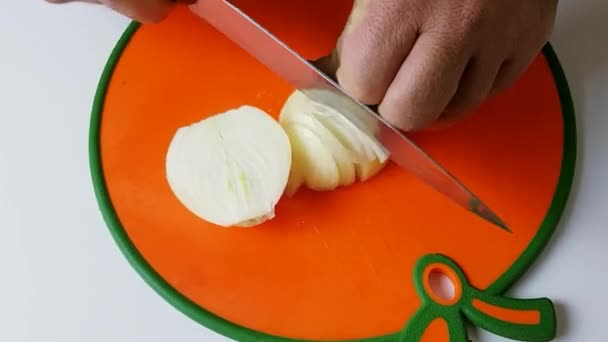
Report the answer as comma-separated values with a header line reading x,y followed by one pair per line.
x,y
63,279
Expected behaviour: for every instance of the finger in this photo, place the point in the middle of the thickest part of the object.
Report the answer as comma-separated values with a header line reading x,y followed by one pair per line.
x,y
145,11
509,73
371,50
473,89
426,82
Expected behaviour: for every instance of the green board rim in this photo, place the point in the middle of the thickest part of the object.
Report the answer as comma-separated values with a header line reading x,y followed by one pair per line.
x,y
240,333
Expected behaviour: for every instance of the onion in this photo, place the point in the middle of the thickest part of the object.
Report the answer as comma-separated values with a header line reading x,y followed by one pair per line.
x,y
318,131
313,164
232,168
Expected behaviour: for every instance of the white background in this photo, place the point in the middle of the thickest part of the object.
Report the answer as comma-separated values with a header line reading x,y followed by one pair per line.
x,y
63,279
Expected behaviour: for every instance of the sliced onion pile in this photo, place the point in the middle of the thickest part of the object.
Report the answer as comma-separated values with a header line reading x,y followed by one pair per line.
x,y
328,150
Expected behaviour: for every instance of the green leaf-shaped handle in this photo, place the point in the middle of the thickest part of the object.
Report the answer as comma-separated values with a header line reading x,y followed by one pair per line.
x,y
429,325
531,320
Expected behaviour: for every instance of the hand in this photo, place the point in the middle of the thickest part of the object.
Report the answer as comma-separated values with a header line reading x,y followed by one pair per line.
x,y
428,62
146,11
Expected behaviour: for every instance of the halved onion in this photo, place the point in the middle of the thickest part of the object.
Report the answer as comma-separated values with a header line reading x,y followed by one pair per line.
x,y
232,168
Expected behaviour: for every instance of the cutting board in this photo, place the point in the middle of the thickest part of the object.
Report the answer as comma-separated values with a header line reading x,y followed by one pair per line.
x,y
389,259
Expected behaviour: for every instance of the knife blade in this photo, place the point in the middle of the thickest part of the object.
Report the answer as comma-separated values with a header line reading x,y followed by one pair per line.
x,y
304,75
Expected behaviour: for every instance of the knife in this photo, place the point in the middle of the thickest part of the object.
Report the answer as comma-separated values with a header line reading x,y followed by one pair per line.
x,y
307,77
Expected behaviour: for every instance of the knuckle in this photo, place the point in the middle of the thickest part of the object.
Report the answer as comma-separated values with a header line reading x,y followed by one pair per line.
x,y
460,22
471,17
472,20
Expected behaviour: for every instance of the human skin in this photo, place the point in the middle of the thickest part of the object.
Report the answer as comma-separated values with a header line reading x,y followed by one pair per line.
x,y
429,62
425,63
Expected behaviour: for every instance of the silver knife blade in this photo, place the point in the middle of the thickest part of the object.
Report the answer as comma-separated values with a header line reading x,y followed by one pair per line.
x,y
230,20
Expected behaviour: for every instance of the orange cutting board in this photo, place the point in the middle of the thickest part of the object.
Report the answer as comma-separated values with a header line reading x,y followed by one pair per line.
x,y
330,266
